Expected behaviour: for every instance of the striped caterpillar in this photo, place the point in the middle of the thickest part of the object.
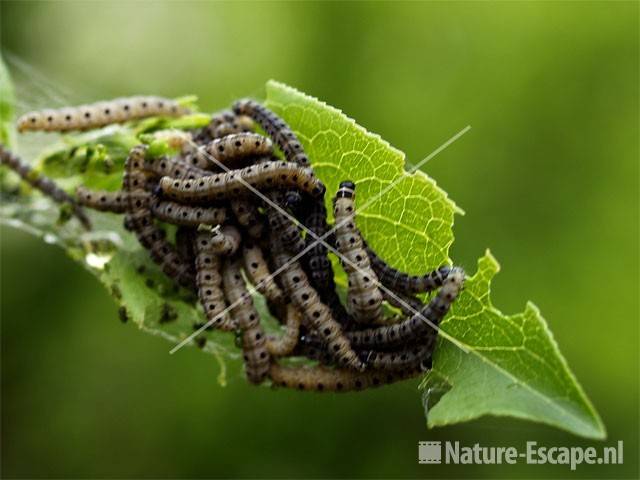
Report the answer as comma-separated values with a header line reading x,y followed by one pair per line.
x,y
247,215
139,218
239,124
317,315
276,128
209,281
207,133
225,241
173,167
256,356
364,299
412,358
258,272
42,183
96,115
104,201
237,182
415,328
322,379
285,344
402,282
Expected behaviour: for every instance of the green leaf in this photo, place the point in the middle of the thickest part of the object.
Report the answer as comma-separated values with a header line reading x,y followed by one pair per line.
x,y
7,100
497,364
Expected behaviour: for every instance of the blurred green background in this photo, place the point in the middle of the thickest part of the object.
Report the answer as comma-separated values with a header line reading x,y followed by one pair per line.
x,y
548,177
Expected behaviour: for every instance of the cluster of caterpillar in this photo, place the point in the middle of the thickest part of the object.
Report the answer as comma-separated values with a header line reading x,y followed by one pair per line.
x,y
249,222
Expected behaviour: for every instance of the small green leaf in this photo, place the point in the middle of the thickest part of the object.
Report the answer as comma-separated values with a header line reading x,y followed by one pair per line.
x,y
508,364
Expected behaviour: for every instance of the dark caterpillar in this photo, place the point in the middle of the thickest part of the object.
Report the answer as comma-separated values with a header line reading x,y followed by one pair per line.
x,y
282,224
317,264
276,128
258,272
412,358
140,219
229,150
318,315
256,356
102,200
247,215
364,301
407,304
402,282
225,241
178,214
206,134
283,346
239,124
42,183
415,328
240,182
209,281
322,379
96,115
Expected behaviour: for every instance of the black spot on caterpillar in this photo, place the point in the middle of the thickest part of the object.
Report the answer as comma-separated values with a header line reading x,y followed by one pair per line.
x,y
364,300
140,219
289,234
209,281
96,115
415,328
247,215
225,241
284,345
305,298
322,379
42,183
178,214
256,356
276,128
402,282
234,183
102,200
258,273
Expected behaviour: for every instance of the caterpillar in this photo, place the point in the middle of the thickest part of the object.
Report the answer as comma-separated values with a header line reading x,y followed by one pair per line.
x,y
206,134
185,240
276,128
238,182
172,167
102,200
256,356
364,299
42,183
140,219
402,282
411,358
209,283
317,314
232,148
178,214
225,240
247,215
285,344
322,379
239,124
407,304
96,115
414,328
317,264
258,272
288,231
